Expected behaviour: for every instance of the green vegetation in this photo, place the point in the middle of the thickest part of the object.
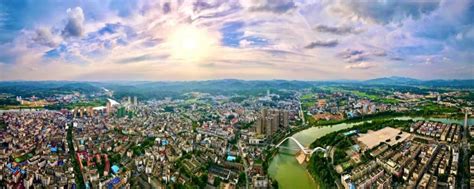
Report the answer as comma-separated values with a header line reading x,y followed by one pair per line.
x,y
432,108
242,179
9,102
3,125
217,181
75,164
169,109
246,125
122,112
24,157
322,169
139,149
43,89
21,107
197,179
71,106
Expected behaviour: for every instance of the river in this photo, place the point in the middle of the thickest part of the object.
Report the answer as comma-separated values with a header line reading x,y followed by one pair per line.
x,y
290,174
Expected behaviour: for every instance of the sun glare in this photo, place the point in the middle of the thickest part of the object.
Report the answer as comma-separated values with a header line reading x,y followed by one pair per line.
x,y
191,44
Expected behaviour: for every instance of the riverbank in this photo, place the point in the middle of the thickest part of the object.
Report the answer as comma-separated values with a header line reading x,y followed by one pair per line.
x,y
284,168
382,115
322,169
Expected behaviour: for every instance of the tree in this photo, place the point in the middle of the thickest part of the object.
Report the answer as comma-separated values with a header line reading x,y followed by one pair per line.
x,y
217,181
242,178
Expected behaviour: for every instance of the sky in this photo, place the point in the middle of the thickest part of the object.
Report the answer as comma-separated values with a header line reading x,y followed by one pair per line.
x,y
242,39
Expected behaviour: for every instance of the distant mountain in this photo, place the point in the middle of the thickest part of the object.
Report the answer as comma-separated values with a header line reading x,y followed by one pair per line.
x,y
394,80
46,88
226,86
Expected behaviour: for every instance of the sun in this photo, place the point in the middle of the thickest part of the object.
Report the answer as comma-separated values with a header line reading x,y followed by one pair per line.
x,y
190,43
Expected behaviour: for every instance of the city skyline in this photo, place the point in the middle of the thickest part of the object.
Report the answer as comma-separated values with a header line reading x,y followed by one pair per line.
x,y
250,40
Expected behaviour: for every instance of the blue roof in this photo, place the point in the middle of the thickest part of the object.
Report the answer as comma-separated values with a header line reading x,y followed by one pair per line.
x,y
113,182
115,168
231,158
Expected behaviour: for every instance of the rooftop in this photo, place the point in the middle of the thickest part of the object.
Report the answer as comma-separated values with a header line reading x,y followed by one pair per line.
x,y
387,134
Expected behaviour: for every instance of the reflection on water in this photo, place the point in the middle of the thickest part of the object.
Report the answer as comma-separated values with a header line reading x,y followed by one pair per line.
x,y
290,174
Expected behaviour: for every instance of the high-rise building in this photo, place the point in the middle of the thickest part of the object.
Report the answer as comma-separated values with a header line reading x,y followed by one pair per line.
x,y
90,111
109,107
129,100
259,126
268,126
275,123
285,118
81,111
264,112
74,112
135,100
270,121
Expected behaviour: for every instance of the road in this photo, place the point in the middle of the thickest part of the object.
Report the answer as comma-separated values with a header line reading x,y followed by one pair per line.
x,y
246,168
465,147
301,113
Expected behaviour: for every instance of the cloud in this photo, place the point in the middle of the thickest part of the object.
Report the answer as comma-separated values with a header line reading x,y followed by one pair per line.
x,y
347,53
360,66
396,58
119,39
385,11
319,43
166,7
201,5
75,23
353,55
379,52
142,58
275,6
337,30
46,38
357,58
359,55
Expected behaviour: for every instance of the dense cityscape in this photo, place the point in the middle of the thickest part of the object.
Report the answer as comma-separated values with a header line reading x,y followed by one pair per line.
x,y
94,137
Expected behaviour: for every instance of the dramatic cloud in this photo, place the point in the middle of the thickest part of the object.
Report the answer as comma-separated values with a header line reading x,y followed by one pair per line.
x,y
385,11
361,66
166,7
75,23
319,43
341,30
276,6
358,55
249,39
353,55
45,37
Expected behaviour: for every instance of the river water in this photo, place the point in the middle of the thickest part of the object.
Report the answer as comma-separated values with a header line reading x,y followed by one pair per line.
x,y
290,174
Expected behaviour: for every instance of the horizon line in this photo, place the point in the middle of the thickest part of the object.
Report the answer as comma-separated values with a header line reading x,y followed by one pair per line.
x,y
275,79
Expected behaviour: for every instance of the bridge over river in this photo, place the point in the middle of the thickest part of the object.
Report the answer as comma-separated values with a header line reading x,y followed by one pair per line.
x,y
305,150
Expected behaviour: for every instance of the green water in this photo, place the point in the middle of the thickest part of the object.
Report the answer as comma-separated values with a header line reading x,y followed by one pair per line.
x,y
290,174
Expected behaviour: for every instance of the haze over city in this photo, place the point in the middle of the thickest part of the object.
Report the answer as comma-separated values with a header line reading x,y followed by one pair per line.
x,y
247,39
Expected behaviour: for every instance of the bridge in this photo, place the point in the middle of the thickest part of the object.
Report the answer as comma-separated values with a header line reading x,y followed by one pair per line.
x,y
301,147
